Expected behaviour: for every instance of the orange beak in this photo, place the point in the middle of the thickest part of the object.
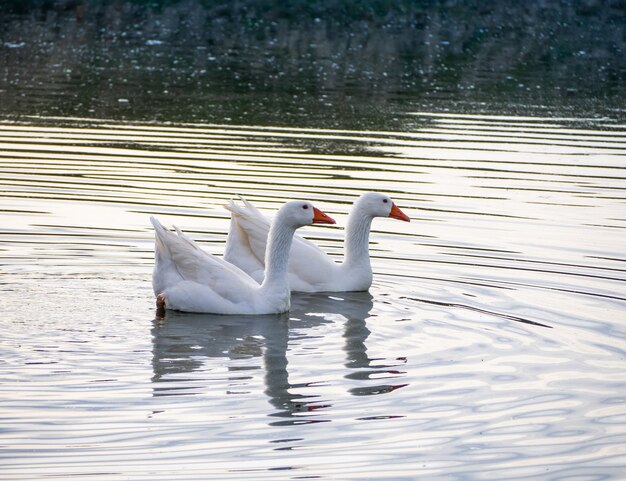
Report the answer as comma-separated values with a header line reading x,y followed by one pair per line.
x,y
396,213
320,218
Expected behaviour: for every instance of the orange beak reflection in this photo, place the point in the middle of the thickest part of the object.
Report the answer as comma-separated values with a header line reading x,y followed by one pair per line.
x,y
396,213
320,218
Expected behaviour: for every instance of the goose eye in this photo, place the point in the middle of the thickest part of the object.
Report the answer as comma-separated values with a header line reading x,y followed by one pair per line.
x,y
385,201
305,206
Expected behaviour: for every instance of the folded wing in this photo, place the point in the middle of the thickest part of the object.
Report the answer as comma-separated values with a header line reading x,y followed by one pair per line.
x,y
247,241
178,258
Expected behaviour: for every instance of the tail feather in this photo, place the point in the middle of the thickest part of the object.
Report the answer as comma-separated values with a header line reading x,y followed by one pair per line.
x,y
160,233
247,210
237,237
245,245
233,208
251,207
247,215
186,238
162,257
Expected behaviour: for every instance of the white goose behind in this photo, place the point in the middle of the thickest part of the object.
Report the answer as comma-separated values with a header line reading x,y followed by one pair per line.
x,y
310,268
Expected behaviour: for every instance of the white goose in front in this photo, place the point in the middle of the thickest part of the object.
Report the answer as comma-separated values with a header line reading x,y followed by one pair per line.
x,y
310,268
186,278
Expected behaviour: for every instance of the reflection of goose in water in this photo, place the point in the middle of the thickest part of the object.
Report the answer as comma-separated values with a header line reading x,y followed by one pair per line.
x,y
357,307
183,341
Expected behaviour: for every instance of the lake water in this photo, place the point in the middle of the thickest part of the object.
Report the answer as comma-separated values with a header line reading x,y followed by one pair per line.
x,y
492,344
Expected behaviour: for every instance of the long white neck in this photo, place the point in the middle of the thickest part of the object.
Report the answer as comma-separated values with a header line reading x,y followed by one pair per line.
x,y
356,243
279,242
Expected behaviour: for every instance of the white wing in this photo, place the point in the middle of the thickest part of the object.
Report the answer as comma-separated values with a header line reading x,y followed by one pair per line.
x,y
247,241
178,259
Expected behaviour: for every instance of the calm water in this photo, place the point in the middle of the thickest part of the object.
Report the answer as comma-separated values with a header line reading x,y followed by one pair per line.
x,y
491,346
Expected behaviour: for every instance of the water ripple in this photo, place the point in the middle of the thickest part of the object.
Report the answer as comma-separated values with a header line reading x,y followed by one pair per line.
x,y
491,345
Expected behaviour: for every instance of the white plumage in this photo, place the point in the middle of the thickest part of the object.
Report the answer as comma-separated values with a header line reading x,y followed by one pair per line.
x,y
187,278
310,268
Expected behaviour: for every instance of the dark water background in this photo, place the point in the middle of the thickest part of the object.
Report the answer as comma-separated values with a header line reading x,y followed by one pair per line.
x,y
336,63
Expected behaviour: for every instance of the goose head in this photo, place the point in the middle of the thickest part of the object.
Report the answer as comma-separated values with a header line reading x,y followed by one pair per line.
x,y
298,213
375,204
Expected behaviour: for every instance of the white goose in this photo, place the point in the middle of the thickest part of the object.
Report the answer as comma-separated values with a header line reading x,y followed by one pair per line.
x,y
310,268
186,278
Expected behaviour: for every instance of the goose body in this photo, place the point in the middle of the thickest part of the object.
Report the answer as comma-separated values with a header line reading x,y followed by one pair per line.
x,y
310,268
187,278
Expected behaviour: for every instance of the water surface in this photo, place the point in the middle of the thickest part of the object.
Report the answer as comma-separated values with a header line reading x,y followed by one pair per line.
x,y
492,342
491,345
